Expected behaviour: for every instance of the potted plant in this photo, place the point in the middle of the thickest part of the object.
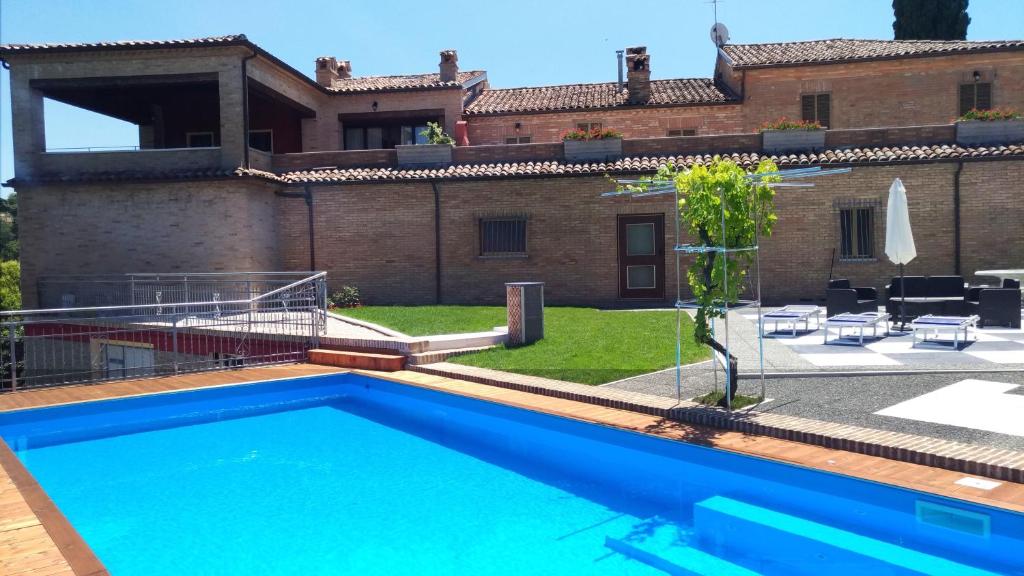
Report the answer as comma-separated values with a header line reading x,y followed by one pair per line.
x,y
436,152
592,145
784,135
998,126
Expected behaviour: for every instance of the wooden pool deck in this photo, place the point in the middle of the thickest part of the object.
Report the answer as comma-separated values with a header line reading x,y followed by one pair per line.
x,y
36,539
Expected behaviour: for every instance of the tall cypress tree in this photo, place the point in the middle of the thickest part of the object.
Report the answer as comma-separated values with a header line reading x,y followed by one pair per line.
x,y
930,19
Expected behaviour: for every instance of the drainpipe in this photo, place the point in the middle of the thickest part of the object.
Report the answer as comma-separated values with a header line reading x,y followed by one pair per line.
x,y
437,240
245,110
307,195
956,218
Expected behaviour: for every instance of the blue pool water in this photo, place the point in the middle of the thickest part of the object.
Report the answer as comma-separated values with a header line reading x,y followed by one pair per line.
x,y
346,474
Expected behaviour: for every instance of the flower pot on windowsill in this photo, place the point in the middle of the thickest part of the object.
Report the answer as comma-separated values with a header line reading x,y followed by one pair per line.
x,y
974,132
424,155
775,141
595,150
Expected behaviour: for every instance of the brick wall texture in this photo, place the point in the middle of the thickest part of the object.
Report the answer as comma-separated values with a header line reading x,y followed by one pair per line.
x,y
158,227
381,237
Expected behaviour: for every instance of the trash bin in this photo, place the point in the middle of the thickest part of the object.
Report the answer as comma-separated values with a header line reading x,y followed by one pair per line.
x,y
525,305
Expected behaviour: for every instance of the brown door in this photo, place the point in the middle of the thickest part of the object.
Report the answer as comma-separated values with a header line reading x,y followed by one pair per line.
x,y
642,256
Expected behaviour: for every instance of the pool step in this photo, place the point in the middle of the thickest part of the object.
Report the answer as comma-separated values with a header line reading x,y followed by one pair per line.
x,y
801,546
359,360
662,551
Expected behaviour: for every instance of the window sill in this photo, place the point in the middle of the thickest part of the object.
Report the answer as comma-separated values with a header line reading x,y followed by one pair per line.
x,y
516,256
857,260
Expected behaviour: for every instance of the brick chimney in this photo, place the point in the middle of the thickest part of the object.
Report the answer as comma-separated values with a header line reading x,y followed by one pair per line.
x,y
329,69
449,66
638,74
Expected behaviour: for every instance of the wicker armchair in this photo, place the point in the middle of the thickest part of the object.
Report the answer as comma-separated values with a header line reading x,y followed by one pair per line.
x,y
840,297
995,306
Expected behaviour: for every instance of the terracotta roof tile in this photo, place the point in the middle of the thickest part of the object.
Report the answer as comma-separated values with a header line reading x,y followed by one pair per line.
x,y
606,95
185,42
406,82
647,164
852,156
844,50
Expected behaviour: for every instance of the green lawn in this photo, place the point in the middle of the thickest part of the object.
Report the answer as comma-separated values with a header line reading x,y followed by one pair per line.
x,y
580,345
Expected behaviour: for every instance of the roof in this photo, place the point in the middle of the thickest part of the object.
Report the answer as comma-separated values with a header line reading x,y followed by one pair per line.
x,y
680,91
229,40
846,50
645,164
854,156
404,82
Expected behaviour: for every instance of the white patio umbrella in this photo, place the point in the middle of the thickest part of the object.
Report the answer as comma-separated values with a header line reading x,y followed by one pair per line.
x,y
899,240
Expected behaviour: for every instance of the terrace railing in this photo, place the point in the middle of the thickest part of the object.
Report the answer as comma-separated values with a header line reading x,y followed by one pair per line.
x,y
164,329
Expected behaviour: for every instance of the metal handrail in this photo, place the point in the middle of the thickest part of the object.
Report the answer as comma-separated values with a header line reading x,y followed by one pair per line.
x,y
55,346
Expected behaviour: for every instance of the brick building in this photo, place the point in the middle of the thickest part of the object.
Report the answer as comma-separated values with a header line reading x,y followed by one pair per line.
x,y
244,163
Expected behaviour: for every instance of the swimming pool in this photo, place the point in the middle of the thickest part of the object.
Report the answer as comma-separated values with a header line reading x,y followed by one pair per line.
x,y
345,474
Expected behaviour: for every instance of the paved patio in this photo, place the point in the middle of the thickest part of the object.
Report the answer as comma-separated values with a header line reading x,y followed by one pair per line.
x,y
981,414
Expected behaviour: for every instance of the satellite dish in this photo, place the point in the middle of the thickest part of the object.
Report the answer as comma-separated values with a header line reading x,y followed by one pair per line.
x,y
719,34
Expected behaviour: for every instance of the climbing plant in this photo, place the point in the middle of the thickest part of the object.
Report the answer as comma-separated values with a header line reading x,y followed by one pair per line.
x,y
716,281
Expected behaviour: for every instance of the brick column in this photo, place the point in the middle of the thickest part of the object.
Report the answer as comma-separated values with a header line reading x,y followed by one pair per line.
x,y
232,139
27,123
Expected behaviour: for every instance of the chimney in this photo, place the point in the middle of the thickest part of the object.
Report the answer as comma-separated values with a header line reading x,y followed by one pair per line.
x,y
449,66
638,74
329,69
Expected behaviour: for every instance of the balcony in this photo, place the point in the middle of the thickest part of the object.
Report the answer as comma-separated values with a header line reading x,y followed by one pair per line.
x,y
84,162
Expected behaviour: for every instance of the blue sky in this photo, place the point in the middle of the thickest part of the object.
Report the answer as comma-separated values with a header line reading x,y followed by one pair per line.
x,y
520,42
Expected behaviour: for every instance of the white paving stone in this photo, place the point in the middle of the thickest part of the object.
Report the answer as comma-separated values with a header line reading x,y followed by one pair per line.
x,y
850,359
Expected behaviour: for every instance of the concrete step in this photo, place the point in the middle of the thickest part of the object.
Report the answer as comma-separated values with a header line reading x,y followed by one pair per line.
x,y
661,549
804,547
359,360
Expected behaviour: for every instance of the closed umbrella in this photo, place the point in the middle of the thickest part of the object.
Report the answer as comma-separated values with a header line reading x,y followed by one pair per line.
x,y
899,240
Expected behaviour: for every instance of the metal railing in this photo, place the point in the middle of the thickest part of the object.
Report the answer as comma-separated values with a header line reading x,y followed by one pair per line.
x,y
56,346
89,290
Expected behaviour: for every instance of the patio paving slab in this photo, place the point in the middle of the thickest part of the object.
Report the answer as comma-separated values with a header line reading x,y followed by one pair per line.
x,y
853,400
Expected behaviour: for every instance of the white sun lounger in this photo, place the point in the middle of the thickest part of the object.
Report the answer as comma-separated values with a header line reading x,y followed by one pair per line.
x,y
936,324
792,315
858,322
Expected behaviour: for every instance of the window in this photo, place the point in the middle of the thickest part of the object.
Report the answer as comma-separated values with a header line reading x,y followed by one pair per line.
x,y
262,140
678,132
588,126
856,233
414,134
517,140
199,139
816,108
505,236
975,96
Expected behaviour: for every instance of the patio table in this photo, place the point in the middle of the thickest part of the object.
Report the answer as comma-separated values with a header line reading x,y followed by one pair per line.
x,y
936,324
858,322
792,315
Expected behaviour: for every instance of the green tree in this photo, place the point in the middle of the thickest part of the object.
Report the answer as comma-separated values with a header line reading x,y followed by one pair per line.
x,y
930,19
10,288
9,227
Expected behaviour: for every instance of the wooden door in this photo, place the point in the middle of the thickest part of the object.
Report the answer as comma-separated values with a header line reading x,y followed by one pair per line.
x,y
641,256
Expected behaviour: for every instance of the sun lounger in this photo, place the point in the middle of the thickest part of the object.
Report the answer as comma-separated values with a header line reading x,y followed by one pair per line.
x,y
792,315
858,322
936,324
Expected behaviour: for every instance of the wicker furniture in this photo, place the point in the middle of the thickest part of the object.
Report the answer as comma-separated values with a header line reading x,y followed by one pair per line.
x,y
840,297
995,306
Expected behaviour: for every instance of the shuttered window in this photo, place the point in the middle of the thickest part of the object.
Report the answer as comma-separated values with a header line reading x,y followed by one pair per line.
x,y
816,108
502,236
856,233
975,96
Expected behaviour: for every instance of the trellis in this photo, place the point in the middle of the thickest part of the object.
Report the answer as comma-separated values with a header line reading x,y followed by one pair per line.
x,y
645,187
